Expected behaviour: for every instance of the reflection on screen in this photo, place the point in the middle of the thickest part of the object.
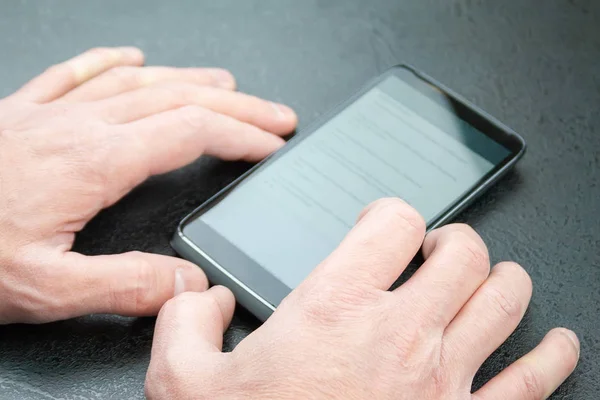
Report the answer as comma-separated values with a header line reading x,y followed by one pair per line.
x,y
289,216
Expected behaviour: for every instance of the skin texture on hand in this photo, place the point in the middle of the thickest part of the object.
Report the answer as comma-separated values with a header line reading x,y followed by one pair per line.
x,y
80,136
343,335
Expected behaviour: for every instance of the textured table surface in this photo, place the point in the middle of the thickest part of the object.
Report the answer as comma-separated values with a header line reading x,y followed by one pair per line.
x,y
532,64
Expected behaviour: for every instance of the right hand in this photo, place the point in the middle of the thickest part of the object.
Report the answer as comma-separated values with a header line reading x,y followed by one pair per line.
x,y
341,334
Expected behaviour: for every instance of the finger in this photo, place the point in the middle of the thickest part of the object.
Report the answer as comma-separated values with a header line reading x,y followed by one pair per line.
x,y
374,254
124,79
131,284
489,317
131,106
170,140
456,263
194,320
539,373
61,78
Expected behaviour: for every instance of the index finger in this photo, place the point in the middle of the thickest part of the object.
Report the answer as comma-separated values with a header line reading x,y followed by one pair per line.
x,y
385,239
171,140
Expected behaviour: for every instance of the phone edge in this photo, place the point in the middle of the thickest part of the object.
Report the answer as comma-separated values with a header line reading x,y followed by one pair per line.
x,y
251,300
217,275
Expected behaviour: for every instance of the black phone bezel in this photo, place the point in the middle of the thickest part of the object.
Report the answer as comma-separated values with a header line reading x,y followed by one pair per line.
x,y
218,250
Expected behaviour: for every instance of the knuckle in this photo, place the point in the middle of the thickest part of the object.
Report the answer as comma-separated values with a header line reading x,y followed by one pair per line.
x,y
145,283
194,116
476,256
407,342
531,387
506,302
403,215
469,250
413,343
316,310
176,94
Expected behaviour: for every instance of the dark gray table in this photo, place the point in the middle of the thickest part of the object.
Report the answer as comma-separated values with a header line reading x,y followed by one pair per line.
x,y
532,64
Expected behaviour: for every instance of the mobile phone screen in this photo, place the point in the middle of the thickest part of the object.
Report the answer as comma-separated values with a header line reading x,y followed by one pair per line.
x,y
392,141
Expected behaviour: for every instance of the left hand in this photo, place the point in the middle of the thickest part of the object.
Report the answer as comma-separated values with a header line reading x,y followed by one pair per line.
x,y
78,138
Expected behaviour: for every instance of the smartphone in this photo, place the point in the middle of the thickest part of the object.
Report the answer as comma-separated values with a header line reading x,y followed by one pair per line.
x,y
402,135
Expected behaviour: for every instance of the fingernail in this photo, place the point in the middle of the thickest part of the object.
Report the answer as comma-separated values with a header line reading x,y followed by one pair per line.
x,y
574,339
282,112
179,282
223,78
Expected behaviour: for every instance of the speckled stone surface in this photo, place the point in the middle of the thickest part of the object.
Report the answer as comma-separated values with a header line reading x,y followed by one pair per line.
x,y
533,64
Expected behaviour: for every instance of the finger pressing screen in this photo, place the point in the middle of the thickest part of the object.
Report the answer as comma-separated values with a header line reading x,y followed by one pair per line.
x,y
61,78
538,374
377,250
126,78
131,106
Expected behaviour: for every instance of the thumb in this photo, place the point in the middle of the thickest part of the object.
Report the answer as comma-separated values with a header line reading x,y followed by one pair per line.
x,y
130,284
187,343
194,321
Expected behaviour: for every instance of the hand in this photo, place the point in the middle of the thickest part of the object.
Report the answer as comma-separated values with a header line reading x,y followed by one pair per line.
x,y
342,335
80,136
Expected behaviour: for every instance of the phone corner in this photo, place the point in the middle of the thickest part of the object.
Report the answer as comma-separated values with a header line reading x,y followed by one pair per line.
x,y
177,239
